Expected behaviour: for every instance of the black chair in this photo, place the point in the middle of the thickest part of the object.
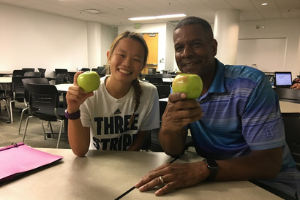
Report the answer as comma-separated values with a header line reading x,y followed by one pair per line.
x,y
71,76
287,94
32,74
154,80
163,91
18,72
102,71
292,126
29,69
6,99
26,81
61,76
42,71
85,69
43,103
17,94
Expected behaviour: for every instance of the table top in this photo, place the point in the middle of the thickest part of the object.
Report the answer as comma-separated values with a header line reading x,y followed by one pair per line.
x,y
108,174
5,79
6,73
289,107
63,87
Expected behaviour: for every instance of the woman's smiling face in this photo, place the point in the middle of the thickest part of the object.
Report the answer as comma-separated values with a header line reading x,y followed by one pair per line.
x,y
127,60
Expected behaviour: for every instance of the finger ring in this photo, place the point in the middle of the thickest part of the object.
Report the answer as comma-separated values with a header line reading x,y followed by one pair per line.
x,y
161,179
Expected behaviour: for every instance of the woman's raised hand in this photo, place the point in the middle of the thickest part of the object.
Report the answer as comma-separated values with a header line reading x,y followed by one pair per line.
x,y
76,96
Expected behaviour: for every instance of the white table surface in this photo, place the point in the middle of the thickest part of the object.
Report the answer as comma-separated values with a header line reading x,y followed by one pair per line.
x,y
63,87
169,80
108,174
288,107
5,79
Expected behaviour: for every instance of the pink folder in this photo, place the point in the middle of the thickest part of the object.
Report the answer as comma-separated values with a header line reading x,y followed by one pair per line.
x,y
19,158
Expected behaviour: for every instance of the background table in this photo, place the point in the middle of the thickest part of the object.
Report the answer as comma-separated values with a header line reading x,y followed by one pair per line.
x,y
288,107
108,174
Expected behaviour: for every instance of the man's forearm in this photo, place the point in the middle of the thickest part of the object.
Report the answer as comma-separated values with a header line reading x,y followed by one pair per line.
x,y
172,141
263,164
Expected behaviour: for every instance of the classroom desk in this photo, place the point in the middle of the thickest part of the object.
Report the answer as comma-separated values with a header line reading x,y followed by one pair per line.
x,y
6,79
63,87
288,107
5,73
108,174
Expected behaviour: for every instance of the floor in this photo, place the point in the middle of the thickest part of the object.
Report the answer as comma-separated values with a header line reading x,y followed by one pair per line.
x,y
9,132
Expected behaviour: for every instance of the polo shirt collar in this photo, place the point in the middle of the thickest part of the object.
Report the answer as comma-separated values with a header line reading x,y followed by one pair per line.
x,y
218,84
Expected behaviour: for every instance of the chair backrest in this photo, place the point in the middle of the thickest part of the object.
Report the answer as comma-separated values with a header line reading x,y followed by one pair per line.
x,y
163,91
61,76
19,72
292,134
287,94
33,74
85,69
18,88
42,81
61,71
28,69
43,97
101,71
154,80
42,71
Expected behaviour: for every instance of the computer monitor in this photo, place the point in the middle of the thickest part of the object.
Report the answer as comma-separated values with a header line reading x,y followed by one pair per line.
x,y
283,79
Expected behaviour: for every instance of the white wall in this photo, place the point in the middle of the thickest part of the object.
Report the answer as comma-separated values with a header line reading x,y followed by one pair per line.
x,y
274,29
108,34
36,39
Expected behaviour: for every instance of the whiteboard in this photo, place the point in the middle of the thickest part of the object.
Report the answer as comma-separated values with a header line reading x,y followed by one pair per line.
x,y
268,54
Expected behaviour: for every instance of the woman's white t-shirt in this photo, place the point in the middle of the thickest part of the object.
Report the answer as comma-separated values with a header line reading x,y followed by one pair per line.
x,y
108,117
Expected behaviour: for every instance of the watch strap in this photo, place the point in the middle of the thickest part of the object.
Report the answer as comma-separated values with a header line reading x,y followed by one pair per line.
x,y
213,167
72,116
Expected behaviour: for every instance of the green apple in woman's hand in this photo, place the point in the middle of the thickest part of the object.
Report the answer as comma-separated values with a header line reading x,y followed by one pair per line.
x,y
89,81
190,84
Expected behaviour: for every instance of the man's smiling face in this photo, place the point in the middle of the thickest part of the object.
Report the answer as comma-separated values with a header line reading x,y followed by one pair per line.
x,y
194,49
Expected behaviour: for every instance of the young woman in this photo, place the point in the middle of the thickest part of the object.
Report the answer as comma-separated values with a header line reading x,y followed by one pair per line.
x,y
119,113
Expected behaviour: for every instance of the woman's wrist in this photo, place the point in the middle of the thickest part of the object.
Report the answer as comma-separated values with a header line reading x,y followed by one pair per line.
x,y
72,116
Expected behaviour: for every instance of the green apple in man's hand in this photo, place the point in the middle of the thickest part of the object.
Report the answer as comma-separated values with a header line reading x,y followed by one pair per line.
x,y
88,81
190,84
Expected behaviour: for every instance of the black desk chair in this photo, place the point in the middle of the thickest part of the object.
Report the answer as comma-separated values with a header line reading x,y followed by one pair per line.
x,y
163,91
61,76
18,72
102,71
33,74
42,71
43,103
6,99
28,69
17,94
26,81
292,126
85,69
